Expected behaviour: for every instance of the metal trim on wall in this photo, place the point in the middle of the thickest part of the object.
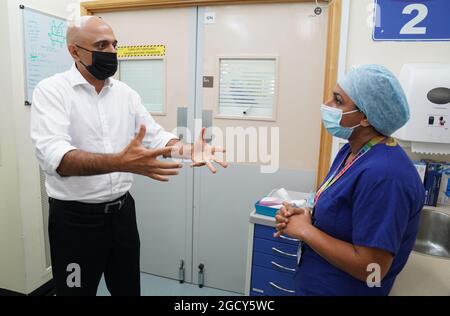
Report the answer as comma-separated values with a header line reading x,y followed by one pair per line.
x,y
91,7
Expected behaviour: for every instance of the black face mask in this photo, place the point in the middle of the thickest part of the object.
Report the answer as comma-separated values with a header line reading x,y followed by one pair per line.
x,y
104,64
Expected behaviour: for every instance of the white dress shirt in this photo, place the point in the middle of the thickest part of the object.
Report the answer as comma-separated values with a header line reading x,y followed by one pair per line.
x,y
68,114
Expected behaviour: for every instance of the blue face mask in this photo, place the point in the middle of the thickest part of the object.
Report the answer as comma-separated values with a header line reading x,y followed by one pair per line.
x,y
332,117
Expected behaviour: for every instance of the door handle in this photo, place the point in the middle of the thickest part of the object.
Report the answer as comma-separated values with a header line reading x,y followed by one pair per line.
x,y
280,267
182,123
182,114
283,253
280,288
201,275
287,238
207,117
182,272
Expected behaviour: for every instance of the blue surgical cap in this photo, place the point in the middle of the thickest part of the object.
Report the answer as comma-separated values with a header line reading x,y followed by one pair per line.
x,y
378,94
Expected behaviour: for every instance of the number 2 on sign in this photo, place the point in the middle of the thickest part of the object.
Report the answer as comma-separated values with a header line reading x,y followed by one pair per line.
x,y
411,27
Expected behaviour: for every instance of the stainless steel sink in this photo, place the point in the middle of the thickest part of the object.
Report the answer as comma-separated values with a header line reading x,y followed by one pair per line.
x,y
434,234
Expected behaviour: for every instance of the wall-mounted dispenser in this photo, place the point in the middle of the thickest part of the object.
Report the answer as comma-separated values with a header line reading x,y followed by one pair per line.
x,y
427,87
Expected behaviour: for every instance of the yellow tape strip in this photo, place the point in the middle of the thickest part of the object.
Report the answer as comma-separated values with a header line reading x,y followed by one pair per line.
x,y
141,51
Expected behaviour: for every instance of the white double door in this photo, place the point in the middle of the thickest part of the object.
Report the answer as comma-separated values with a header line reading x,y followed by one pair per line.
x,y
199,218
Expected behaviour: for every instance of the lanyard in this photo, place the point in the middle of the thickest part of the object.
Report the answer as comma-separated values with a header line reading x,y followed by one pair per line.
x,y
335,176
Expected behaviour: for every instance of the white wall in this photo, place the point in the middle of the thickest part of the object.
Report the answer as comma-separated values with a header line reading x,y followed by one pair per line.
x,y
361,49
22,265
12,263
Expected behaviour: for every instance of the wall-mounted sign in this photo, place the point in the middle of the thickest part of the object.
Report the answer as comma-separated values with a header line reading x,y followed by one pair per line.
x,y
208,82
412,20
210,17
141,51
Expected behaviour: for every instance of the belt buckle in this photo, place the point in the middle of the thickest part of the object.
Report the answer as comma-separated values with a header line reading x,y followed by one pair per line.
x,y
109,205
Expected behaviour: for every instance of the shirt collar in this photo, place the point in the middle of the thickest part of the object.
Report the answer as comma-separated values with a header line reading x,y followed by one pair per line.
x,y
77,79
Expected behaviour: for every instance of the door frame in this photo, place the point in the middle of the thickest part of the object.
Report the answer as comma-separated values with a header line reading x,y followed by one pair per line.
x,y
332,53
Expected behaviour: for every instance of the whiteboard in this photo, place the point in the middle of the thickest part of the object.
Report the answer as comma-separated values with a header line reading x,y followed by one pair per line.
x,y
45,49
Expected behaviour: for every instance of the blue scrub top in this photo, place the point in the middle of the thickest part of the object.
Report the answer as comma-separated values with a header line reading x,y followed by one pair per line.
x,y
377,204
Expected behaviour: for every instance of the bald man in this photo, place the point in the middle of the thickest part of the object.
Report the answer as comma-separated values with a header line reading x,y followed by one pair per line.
x,y
91,133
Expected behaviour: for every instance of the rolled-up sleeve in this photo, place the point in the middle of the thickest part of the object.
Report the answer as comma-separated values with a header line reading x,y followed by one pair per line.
x,y
50,124
156,136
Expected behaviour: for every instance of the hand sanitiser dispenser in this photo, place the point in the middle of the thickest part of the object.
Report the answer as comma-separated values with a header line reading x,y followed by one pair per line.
x,y
427,88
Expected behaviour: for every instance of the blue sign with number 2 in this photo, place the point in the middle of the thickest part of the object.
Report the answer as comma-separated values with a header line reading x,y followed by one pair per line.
x,y
410,20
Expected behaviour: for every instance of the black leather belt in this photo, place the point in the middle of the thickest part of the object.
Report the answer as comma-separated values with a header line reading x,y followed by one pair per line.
x,y
104,208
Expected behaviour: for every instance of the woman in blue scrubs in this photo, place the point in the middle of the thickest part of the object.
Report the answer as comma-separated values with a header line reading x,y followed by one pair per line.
x,y
363,223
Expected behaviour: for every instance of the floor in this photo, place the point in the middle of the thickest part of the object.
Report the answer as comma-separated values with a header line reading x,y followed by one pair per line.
x,y
156,286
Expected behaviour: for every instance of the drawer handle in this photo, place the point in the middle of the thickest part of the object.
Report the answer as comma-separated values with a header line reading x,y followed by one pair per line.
x,y
287,238
280,288
279,266
283,253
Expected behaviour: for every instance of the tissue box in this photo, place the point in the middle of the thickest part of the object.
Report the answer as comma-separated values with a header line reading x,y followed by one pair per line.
x,y
271,204
266,210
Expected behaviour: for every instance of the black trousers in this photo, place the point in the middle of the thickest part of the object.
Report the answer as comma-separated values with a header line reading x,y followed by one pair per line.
x,y
86,243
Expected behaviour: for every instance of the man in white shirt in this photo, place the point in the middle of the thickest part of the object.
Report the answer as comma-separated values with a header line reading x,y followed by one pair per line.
x,y
91,134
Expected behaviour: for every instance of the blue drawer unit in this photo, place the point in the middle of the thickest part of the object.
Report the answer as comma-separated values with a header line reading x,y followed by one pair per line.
x,y
273,264
266,232
272,283
278,249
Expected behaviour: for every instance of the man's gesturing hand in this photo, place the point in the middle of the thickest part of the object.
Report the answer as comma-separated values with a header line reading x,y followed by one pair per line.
x,y
137,159
203,154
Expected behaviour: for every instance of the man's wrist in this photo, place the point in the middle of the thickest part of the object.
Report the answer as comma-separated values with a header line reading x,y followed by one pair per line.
x,y
116,163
